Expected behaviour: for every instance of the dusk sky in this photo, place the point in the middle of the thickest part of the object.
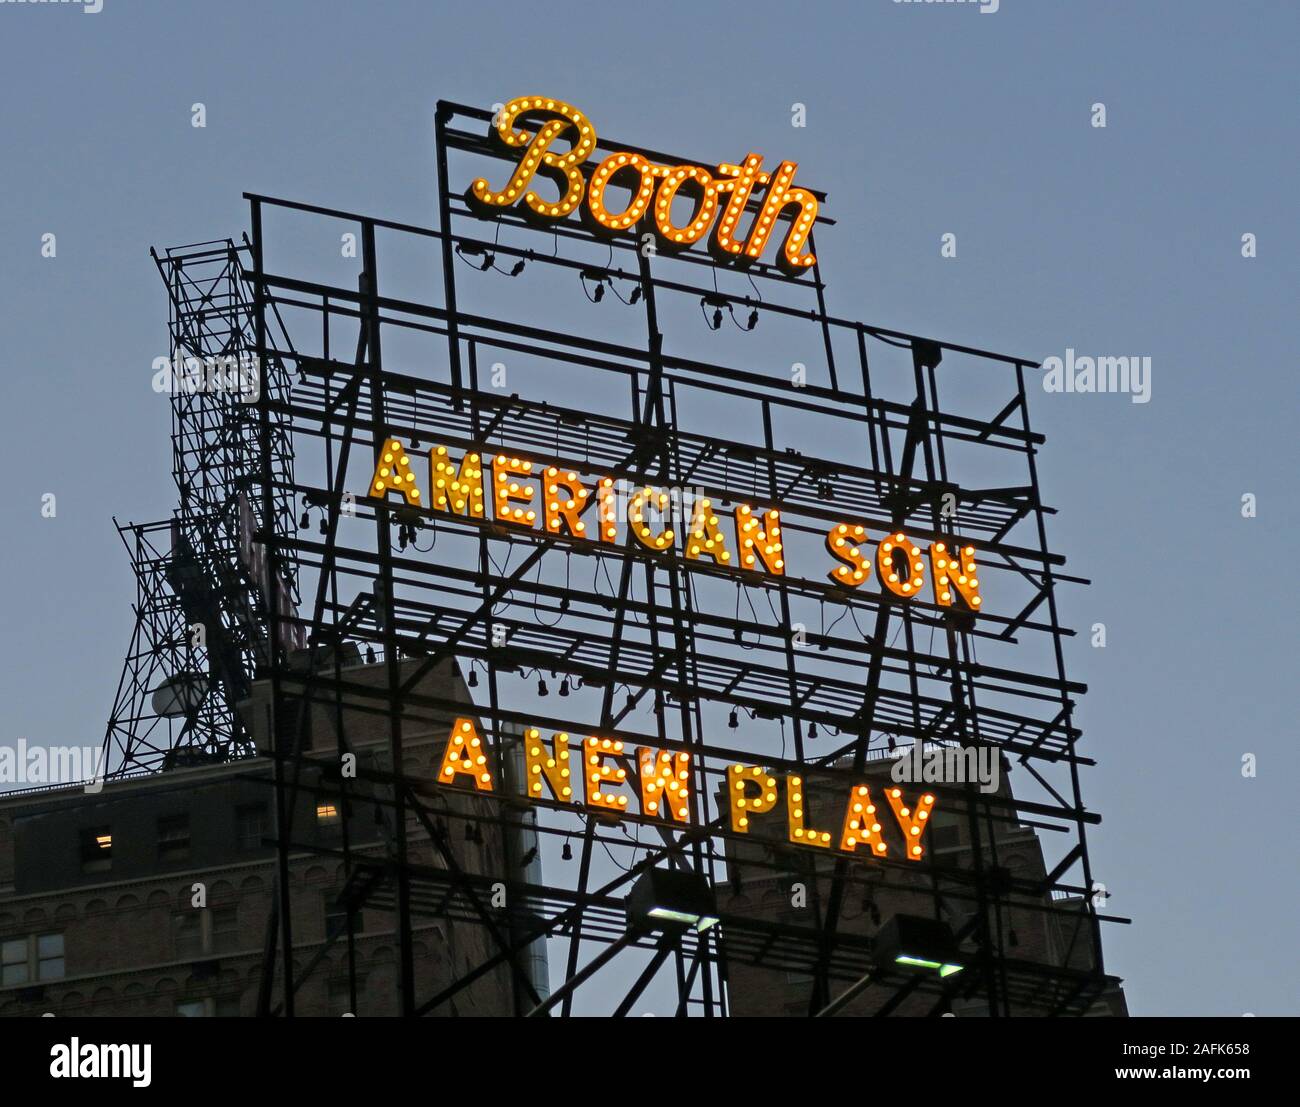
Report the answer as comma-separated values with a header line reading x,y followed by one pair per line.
x,y
922,120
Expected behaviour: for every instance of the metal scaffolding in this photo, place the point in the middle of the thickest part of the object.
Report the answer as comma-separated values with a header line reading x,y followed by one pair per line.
x,y
681,374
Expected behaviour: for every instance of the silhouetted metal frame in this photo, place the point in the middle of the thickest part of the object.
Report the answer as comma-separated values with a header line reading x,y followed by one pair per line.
x,y
905,485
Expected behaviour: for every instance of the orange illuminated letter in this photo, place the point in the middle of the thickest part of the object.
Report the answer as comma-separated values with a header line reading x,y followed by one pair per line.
x,y
613,167
913,823
954,571
861,827
538,153
507,475
743,803
780,196
739,180
903,579
845,543
665,781
694,180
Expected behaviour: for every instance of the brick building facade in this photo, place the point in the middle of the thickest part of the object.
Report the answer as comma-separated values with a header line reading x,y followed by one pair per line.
x,y
772,881
98,892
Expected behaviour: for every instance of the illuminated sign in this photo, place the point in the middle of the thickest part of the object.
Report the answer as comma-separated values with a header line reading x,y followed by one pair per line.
x,y
521,492
605,777
719,196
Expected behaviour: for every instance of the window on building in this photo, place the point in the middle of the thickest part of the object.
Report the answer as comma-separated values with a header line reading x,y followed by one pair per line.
x,y
13,957
336,917
174,838
30,958
250,821
327,813
187,928
225,929
96,849
49,957
206,932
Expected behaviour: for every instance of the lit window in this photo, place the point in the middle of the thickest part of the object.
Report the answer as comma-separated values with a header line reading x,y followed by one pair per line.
x,y
96,849
326,814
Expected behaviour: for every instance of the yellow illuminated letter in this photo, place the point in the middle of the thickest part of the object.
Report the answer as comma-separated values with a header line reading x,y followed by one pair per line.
x,y
706,538
795,804
393,474
760,543
465,755
636,507
552,766
607,511
600,776
565,500
456,491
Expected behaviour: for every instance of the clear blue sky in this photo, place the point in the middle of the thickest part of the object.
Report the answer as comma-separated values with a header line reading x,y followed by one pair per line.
x,y
921,120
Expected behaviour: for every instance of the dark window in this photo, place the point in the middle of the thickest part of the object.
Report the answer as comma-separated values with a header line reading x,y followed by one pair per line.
x,y
336,917
174,838
225,930
188,930
945,833
251,824
96,849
